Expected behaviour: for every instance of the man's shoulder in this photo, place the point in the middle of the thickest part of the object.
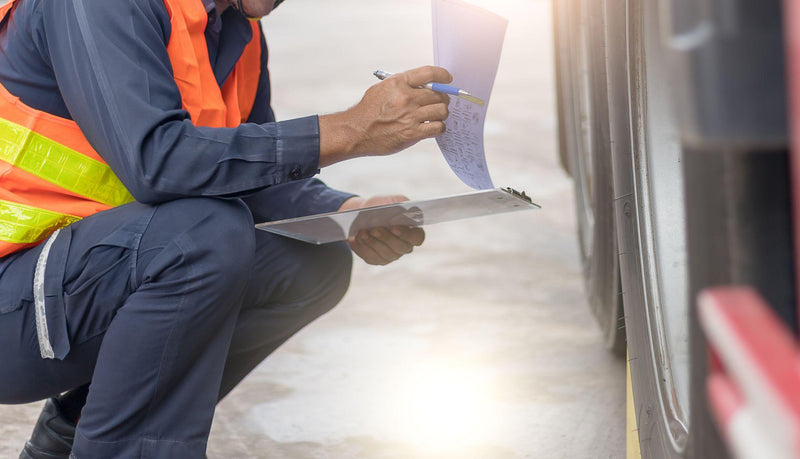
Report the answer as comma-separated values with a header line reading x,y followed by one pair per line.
x,y
150,9
100,14
101,4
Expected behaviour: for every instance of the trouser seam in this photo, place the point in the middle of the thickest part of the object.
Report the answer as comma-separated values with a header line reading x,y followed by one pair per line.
x,y
135,283
167,343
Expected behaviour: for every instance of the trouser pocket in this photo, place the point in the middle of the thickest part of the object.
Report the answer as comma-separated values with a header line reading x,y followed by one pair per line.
x,y
16,279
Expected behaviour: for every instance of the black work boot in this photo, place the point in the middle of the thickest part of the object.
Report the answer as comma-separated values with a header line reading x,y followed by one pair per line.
x,y
52,435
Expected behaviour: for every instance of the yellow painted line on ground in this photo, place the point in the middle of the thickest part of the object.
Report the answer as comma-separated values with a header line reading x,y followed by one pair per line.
x,y
632,430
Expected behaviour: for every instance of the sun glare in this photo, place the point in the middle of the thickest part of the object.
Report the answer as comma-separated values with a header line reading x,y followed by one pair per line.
x,y
444,409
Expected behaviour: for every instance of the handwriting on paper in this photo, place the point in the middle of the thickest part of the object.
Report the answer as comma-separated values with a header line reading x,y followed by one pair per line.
x,y
462,144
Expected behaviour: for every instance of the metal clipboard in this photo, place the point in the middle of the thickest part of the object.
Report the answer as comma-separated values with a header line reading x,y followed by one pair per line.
x,y
339,226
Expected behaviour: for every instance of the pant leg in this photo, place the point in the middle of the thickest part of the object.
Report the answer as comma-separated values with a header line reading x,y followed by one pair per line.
x,y
149,318
98,269
164,352
26,377
292,284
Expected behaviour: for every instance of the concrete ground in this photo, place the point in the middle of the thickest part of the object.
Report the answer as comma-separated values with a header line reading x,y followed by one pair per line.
x,y
480,344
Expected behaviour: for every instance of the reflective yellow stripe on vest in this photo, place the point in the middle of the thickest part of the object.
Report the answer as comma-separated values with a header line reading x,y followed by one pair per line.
x,y
21,224
60,165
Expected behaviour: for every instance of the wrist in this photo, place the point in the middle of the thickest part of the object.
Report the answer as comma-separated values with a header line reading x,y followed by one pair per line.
x,y
337,139
354,202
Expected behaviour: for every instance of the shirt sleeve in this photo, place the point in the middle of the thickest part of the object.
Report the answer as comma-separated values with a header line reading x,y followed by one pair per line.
x,y
114,74
294,199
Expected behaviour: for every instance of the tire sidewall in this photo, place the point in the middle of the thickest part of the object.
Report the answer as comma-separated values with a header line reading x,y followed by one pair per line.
x,y
597,241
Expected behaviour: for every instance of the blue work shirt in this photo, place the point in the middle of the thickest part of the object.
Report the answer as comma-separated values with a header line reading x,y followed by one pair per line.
x,y
104,64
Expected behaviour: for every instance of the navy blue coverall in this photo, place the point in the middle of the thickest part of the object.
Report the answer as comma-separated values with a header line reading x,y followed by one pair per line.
x,y
164,304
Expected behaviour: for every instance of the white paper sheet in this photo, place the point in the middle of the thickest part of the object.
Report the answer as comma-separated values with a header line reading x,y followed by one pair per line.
x,y
467,41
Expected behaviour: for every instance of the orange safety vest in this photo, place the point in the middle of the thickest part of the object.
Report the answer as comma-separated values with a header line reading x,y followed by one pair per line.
x,y
51,177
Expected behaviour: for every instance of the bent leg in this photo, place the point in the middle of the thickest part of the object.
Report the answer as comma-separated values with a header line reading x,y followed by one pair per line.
x,y
158,370
292,284
148,312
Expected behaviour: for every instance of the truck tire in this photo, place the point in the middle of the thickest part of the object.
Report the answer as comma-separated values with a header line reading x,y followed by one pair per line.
x,y
733,227
586,150
732,211
650,219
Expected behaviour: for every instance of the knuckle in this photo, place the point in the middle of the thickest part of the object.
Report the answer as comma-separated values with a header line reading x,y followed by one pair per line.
x,y
394,84
422,70
401,99
448,78
441,74
408,135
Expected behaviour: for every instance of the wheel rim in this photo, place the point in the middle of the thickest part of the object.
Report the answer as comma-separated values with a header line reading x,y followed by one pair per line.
x,y
662,230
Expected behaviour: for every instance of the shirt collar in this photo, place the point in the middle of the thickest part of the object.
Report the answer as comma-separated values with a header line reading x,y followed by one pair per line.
x,y
210,5
214,22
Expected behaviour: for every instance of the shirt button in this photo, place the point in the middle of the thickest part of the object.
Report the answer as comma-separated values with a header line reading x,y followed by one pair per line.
x,y
295,173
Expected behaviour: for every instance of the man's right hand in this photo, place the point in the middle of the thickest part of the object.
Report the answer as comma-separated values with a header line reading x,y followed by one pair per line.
x,y
393,115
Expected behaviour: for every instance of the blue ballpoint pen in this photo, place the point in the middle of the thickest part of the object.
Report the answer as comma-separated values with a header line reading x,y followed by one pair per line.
x,y
439,87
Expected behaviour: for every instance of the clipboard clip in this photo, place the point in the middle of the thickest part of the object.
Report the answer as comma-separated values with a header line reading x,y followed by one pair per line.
x,y
520,195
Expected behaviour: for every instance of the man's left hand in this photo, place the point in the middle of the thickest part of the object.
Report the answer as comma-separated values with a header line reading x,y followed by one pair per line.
x,y
381,246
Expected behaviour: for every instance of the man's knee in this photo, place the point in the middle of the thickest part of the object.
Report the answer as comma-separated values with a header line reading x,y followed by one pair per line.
x,y
215,236
339,259
328,275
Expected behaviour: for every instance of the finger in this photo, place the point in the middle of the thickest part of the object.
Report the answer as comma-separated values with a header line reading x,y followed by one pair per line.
x,y
414,236
425,96
383,250
431,129
428,74
436,112
366,253
398,245
367,250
